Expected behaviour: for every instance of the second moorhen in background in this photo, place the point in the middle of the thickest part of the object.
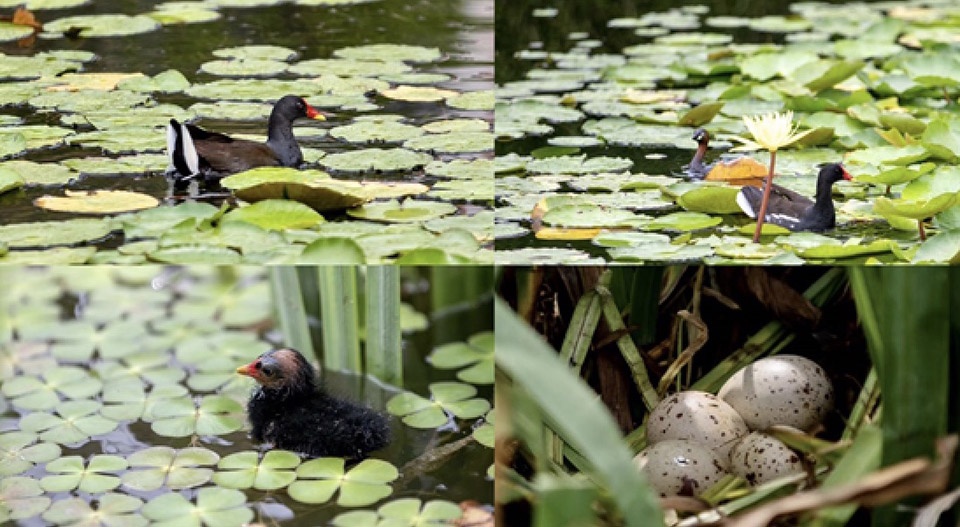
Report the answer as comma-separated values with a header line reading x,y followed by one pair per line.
x,y
793,210
292,412
696,169
194,151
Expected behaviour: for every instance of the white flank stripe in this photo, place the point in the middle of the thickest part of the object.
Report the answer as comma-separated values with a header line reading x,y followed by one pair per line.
x,y
189,151
745,205
171,145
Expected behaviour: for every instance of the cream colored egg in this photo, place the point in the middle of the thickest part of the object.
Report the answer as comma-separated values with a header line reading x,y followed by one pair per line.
x,y
679,467
760,458
699,416
780,390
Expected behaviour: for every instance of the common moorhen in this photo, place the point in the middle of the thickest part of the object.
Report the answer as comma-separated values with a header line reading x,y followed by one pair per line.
x,y
793,210
741,170
194,151
696,169
292,412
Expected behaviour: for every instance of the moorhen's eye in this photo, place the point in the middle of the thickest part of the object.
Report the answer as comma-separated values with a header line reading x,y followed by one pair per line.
x,y
268,370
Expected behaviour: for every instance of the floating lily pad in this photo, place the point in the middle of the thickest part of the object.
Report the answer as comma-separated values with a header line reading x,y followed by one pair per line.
x,y
475,357
477,100
349,67
453,397
710,199
214,507
167,15
376,129
40,5
91,26
97,201
578,165
334,251
417,94
276,214
244,67
386,52
9,179
376,160
364,484
917,209
683,221
452,143
278,53
406,211
485,433
10,32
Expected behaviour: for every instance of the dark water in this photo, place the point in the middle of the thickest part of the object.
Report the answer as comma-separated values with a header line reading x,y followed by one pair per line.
x,y
462,29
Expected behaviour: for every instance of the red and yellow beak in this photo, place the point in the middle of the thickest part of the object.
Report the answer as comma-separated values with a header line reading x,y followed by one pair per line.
x,y
313,113
846,175
250,370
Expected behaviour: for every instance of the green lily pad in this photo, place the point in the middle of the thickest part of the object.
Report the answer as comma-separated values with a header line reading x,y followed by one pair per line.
x,y
333,251
97,201
40,5
214,507
110,509
918,209
453,397
683,222
406,211
475,357
168,15
364,484
349,67
847,250
472,101
276,214
244,67
710,199
889,175
169,81
215,415
155,222
376,160
485,433
20,452
417,93
388,52
33,173
578,165
92,26
944,248
9,179
278,53
889,155
452,143
371,129
12,143
412,511
162,466
10,32
588,215
245,470
196,254
73,475
701,115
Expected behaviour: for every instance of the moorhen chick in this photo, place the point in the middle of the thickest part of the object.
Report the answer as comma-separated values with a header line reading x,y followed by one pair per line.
x,y
292,412
793,210
194,151
739,171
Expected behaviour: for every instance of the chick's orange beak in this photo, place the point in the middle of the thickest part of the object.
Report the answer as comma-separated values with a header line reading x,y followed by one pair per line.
x,y
247,369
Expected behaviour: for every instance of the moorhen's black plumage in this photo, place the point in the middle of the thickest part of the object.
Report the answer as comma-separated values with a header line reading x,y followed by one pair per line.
x,y
793,210
194,151
292,412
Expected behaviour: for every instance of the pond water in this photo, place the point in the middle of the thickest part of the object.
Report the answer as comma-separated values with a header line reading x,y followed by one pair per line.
x,y
133,344
597,106
350,91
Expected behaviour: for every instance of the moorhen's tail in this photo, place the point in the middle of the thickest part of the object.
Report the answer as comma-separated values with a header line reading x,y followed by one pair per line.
x,y
786,208
181,150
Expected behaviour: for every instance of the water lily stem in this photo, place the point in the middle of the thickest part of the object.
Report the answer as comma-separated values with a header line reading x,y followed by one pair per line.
x,y
923,233
767,187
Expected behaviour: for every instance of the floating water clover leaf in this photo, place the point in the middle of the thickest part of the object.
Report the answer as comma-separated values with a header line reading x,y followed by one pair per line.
x,y
75,421
711,199
43,392
181,417
214,507
126,399
476,353
245,470
454,397
20,452
366,483
21,498
79,340
71,474
404,512
484,434
162,466
112,509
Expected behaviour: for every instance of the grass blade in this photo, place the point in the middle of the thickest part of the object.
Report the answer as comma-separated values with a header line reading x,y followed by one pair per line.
x,y
383,347
291,313
339,305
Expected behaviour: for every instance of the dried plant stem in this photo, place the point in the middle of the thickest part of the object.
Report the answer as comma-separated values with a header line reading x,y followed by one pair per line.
x,y
767,187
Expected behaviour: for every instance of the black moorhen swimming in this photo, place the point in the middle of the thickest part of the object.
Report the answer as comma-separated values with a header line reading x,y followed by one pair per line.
x,y
793,210
292,412
194,151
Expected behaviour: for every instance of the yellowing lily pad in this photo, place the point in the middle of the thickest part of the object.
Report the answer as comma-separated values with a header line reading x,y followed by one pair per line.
x,y
405,211
417,94
97,201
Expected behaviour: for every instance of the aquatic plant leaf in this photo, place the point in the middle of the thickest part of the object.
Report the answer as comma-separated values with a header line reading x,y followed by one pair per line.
x,y
889,175
765,66
274,214
97,201
246,67
75,421
185,15
215,507
9,180
257,51
389,52
169,81
215,415
21,498
334,251
374,129
356,519
710,199
366,483
944,248
43,392
477,353
350,68
848,250
164,466
578,165
376,160
917,209
20,452
683,221
473,101
244,470
452,143
39,5
196,254
406,211
92,26
90,478
412,511
111,509
33,173
701,114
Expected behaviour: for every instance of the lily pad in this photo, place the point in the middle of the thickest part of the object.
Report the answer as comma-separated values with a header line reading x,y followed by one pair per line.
x,y
333,251
406,211
384,52
364,484
453,397
112,25
452,143
710,199
97,201
376,129
683,222
276,214
417,94
376,160
44,392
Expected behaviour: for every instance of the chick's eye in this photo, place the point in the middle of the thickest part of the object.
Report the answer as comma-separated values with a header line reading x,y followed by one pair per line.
x,y
268,370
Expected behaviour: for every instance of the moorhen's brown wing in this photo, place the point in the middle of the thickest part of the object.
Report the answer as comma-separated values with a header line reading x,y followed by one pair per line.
x,y
234,155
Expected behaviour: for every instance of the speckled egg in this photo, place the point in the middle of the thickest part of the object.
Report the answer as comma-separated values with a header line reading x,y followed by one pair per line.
x,y
760,458
780,390
700,416
679,467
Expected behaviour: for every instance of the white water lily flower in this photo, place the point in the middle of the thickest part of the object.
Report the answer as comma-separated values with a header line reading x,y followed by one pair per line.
x,y
770,132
